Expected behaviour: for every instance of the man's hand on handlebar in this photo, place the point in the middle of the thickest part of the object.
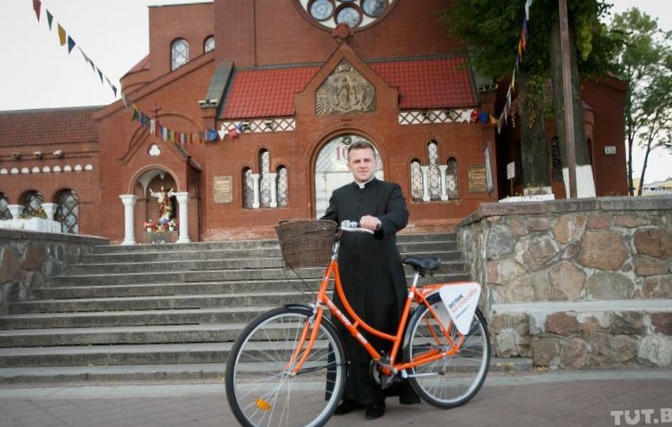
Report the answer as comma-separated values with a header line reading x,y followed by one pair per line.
x,y
347,225
370,222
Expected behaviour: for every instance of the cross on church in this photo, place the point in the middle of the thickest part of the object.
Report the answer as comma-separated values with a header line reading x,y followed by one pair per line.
x,y
155,110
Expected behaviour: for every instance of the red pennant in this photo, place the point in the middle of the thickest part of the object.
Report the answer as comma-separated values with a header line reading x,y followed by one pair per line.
x,y
37,6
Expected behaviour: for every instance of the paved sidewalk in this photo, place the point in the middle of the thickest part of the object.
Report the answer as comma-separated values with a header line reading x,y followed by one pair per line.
x,y
583,398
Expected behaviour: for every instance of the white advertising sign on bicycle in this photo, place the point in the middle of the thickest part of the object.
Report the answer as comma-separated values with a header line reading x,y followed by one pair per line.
x,y
461,301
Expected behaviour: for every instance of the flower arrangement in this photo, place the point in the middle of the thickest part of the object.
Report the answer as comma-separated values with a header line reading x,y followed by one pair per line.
x,y
149,225
161,226
39,213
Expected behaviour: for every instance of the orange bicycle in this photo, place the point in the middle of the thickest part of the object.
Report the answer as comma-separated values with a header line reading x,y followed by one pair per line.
x,y
288,366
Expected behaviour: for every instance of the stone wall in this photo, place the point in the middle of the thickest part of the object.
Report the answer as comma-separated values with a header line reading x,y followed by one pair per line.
x,y
576,283
28,259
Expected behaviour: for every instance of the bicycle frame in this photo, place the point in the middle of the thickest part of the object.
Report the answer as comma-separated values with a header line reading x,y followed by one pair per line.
x,y
354,323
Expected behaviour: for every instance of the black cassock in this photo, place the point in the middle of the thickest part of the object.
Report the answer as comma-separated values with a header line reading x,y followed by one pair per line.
x,y
371,273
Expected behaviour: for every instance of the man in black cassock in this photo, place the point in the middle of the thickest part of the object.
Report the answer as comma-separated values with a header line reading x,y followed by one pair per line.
x,y
371,272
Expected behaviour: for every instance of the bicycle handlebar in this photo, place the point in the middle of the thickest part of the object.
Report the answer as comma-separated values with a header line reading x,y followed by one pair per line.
x,y
347,225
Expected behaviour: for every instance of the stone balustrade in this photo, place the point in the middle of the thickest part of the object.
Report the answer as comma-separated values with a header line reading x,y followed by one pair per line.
x,y
28,259
576,283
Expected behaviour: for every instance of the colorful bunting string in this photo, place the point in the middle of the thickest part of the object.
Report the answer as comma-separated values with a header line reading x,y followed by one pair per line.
x,y
520,48
168,135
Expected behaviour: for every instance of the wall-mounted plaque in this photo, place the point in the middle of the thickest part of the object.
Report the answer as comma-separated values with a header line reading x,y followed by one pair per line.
x,y
477,179
223,187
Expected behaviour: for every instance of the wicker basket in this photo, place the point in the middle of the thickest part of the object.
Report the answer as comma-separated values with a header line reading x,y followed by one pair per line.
x,y
306,243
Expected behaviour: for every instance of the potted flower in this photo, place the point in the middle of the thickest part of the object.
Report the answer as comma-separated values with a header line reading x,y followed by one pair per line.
x,y
172,224
149,225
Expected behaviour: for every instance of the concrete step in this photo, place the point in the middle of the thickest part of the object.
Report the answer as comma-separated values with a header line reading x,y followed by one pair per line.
x,y
447,272
146,334
166,289
172,302
153,372
132,318
175,265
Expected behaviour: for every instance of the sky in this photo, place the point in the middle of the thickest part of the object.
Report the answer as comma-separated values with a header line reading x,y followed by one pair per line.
x,y
37,72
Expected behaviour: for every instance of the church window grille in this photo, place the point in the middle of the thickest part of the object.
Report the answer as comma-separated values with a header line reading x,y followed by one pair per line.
x,y
67,212
179,54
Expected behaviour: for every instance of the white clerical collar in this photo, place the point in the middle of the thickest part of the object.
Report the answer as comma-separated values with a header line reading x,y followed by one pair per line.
x,y
362,185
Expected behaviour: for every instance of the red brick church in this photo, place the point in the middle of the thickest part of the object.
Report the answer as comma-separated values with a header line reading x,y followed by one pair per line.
x,y
242,113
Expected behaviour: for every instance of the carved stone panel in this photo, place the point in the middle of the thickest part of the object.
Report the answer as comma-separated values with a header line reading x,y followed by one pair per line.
x,y
345,91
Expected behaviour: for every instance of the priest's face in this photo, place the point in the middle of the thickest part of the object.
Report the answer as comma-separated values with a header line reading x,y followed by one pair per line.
x,y
362,163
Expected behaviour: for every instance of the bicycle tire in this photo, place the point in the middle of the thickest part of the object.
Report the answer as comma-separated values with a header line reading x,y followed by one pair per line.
x,y
452,380
259,389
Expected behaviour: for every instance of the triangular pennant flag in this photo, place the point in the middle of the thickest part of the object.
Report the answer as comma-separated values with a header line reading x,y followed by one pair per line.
x,y
37,6
50,19
71,44
222,133
212,135
61,34
233,132
136,114
152,127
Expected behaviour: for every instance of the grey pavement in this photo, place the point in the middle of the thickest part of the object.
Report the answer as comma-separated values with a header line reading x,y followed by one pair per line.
x,y
568,398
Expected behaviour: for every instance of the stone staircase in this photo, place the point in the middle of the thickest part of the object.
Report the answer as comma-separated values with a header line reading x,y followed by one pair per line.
x,y
163,311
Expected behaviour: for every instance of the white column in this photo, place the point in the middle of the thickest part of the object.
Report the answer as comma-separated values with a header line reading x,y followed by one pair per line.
x,y
444,189
15,210
129,203
255,179
183,201
49,209
274,189
425,183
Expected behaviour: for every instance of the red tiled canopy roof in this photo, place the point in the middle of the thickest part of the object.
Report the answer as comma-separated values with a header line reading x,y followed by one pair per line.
x,y
422,83
60,125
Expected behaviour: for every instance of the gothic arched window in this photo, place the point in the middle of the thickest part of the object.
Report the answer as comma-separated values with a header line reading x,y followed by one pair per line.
x,y
452,184
32,202
434,174
4,207
179,54
416,181
283,187
67,212
248,189
265,180
209,44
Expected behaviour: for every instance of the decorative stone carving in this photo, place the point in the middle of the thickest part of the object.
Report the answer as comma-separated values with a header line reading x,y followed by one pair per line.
x,y
345,91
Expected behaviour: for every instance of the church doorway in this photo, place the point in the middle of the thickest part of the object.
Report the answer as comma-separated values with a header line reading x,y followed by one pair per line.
x,y
331,169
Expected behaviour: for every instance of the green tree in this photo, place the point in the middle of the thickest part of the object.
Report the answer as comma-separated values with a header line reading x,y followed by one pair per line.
x,y
644,59
490,30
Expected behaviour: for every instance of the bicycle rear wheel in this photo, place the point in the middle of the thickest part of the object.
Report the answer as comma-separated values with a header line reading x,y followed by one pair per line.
x,y
452,380
260,388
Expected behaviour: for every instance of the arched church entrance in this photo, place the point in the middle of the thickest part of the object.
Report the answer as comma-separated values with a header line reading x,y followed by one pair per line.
x,y
331,169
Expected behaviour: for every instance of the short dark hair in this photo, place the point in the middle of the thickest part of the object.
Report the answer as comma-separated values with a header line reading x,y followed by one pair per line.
x,y
361,145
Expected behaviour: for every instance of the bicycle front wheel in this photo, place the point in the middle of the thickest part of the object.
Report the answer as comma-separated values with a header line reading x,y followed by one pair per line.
x,y
261,387
452,380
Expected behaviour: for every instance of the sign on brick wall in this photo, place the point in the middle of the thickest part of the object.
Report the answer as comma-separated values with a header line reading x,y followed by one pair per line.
x,y
223,187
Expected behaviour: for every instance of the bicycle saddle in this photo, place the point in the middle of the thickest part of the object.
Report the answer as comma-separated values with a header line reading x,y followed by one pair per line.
x,y
422,264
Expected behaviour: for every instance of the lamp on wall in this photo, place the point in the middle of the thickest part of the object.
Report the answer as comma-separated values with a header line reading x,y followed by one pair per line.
x,y
58,154
37,154
16,155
